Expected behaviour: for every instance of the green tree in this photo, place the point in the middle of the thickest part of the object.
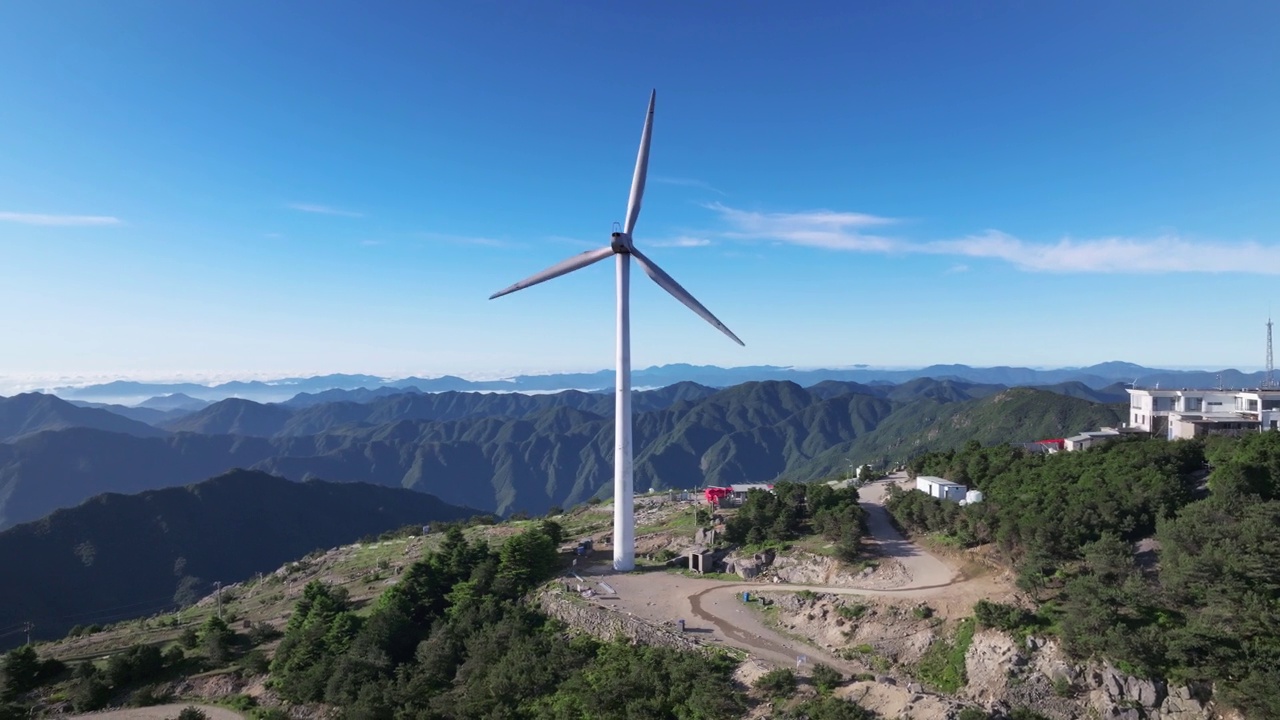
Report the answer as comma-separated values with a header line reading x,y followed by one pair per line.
x,y
217,640
19,671
826,678
777,683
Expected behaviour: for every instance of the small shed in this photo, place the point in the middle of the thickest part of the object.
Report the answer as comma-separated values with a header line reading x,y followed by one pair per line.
x,y
940,488
739,492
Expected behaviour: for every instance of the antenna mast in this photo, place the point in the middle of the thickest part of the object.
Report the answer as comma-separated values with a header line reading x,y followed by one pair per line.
x,y
1268,380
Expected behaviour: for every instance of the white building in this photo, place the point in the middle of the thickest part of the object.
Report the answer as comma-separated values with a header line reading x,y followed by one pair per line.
x,y
739,492
941,489
1195,413
1089,439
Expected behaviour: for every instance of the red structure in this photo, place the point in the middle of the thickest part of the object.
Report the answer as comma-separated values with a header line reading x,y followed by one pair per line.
x,y
713,494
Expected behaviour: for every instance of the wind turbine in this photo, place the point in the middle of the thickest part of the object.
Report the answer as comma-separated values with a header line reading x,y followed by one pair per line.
x,y
621,246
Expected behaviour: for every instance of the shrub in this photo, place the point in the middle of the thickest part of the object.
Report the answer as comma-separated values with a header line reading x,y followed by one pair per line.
x,y
88,692
189,638
262,633
779,683
174,656
255,662
827,708
1062,687
826,678
148,695
851,612
972,714
923,612
243,703
191,712
942,666
1002,617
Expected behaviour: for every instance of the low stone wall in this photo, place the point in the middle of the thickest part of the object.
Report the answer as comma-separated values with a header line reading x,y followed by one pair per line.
x,y
607,624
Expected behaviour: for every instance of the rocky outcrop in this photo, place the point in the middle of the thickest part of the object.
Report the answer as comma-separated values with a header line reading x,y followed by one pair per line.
x,y
1004,674
748,568
607,624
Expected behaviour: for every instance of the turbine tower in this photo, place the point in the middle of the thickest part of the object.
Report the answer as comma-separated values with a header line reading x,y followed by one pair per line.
x,y
621,246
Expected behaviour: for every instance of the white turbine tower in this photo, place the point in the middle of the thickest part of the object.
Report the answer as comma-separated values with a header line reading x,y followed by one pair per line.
x,y
623,515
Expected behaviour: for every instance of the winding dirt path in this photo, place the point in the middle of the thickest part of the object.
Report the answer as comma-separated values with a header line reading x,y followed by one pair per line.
x,y
159,712
717,610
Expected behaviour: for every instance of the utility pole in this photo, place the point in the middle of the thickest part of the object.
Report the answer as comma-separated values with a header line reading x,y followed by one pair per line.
x,y
1268,380
217,584
29,627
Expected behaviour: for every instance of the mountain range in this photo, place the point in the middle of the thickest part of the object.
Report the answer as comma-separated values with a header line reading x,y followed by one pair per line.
x,y
120,556
303,389
502,452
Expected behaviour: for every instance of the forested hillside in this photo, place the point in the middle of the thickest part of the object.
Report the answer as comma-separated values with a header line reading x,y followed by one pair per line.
x,y
505,452
139,554
1198,599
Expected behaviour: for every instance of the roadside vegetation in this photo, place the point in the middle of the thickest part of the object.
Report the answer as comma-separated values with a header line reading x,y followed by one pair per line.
x,y
794,510
1129,555
452,639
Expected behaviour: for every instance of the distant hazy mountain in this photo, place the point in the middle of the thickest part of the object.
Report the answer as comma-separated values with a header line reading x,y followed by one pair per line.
x,y
30,413
243,417
506,452
131,552
233,417
361,388
149,416
175,401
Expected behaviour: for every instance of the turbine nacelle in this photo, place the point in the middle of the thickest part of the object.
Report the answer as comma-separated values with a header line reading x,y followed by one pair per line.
x,y
621,243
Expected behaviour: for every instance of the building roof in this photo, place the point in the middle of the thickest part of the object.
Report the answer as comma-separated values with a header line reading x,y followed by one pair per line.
x,y
1170,392
1216,418
939,481
750,486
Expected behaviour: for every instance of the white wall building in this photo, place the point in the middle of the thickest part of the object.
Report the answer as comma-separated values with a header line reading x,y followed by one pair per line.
x,y
1195,413
1088,439
941,489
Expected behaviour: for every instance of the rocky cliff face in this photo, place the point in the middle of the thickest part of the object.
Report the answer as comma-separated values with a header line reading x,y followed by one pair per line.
x,y
1004,674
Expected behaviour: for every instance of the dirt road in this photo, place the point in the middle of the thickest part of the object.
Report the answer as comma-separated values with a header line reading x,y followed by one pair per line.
x,y
159,712
715,609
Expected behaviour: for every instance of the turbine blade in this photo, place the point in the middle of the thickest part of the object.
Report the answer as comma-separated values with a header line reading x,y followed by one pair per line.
x,y
564,266
642,169
666,282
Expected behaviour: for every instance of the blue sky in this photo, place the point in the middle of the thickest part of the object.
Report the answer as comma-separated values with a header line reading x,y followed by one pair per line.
x,y
248,189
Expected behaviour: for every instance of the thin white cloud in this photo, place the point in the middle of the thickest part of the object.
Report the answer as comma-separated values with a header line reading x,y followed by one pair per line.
x,y
961,268
684,241
371,243
323,210
817,228
63,220
687,182
467,240
1164,254
1161,254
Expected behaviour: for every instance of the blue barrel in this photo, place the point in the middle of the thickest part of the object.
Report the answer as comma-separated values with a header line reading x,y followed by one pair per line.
x,y
746,596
